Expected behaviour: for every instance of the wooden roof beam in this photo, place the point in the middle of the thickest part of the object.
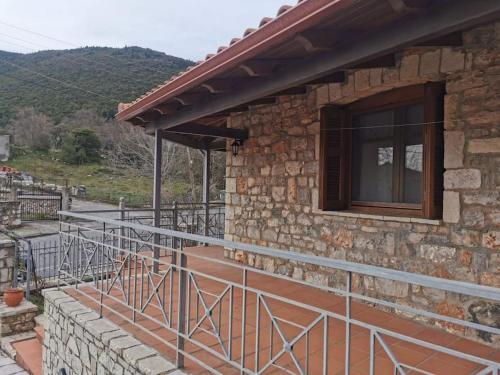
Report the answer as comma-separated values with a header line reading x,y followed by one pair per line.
x,y
210,131
450,40
315,40
166,108
405,6
387,61
441,19
299,90
149,116
137,121
222,85
262,67
337,77
182,140
257,68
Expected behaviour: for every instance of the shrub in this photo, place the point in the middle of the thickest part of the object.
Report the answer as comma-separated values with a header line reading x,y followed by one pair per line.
x,y
81,146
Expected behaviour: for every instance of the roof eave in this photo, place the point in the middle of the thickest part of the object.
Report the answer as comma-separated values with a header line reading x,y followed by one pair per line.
x,y
295,20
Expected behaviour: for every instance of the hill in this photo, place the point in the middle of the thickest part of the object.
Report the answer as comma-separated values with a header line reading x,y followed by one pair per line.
x,y
112,74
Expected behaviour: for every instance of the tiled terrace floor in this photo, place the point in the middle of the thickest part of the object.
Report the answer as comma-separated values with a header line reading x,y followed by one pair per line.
x,y
419,357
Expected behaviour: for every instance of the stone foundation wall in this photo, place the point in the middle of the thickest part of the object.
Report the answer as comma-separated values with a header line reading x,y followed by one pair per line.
x,y
19,319
10,214
7,259
79,341
272,185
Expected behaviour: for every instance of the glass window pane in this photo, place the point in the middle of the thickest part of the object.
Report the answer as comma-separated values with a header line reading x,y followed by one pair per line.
x,y
413,144
373,157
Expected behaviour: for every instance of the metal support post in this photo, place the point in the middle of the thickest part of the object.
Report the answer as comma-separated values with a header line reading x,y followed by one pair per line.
x,y
181,319
206,190
157,195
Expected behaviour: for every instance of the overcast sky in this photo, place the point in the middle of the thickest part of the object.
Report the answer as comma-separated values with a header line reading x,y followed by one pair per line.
x,y
184,28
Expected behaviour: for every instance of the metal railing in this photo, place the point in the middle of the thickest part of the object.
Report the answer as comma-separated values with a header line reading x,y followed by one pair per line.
x,y
38,201
195,218
36,263
235,321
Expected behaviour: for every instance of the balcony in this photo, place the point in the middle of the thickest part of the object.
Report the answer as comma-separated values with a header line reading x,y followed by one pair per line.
x,y
175,291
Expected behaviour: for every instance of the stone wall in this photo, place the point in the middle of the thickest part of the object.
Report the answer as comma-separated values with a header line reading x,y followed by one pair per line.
x,y
79,341
10,214
19,319
272,185
7,259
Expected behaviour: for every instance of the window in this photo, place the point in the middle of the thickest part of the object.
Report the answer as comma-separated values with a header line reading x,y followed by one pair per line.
x,y
384,154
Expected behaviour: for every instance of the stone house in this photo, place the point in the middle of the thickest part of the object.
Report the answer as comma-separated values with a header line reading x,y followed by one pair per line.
x,y
362,132
362,206
276,182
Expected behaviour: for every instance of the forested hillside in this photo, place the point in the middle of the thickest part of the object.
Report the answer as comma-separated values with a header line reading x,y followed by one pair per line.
x,y
111,74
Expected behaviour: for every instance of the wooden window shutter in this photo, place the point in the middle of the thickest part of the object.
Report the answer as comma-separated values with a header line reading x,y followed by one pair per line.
x,y
334,159
433,150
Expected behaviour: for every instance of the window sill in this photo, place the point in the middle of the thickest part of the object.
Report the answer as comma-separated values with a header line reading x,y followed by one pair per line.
x,y
398,219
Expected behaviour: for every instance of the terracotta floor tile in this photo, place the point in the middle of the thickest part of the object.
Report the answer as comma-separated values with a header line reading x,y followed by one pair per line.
x,y
288,319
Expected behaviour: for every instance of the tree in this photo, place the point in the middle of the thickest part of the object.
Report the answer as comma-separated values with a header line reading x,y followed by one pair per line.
x,y
81,146
31,129
133,149
80,119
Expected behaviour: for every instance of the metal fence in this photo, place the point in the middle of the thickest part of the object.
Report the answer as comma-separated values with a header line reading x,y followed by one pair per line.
x,y
38,201
38,259
222,322
195,218
36,263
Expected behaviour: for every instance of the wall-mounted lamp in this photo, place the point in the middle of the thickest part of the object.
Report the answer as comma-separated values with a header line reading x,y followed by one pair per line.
x,y
235,147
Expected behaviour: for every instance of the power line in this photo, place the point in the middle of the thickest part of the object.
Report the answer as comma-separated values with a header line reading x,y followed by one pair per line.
x,y
14,44
59,81
75,45
382,126
33,83
70,58
21,40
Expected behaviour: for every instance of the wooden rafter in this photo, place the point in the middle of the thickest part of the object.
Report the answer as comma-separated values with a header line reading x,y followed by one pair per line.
x,y
209,131
315,40
387,61
440,20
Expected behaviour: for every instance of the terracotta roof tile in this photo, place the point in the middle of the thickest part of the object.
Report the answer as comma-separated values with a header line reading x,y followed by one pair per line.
x,y
249,31
283,9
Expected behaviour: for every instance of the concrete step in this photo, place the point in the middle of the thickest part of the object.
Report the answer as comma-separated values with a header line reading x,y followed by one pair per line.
x,y
29,355
39,333
40,320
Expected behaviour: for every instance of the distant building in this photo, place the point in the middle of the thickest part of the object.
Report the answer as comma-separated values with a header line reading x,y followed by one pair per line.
x,y
4,147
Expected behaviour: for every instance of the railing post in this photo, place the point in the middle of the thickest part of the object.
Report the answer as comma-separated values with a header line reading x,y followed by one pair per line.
x,y
348,323
181,321
16,264
121,241
28,271
244,319
175,228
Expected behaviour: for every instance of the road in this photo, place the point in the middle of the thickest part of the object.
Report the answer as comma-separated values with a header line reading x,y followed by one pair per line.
x,y
44,238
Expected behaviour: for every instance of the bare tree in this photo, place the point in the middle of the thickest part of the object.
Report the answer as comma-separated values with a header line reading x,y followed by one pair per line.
x,y
132,148
31,129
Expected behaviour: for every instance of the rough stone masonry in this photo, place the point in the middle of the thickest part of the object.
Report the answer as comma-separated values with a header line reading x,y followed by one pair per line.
x,y
272,185
82,343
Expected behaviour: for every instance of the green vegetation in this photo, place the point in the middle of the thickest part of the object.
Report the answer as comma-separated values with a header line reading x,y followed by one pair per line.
x,y
59,132
37,299
81,146
121,74
102,183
